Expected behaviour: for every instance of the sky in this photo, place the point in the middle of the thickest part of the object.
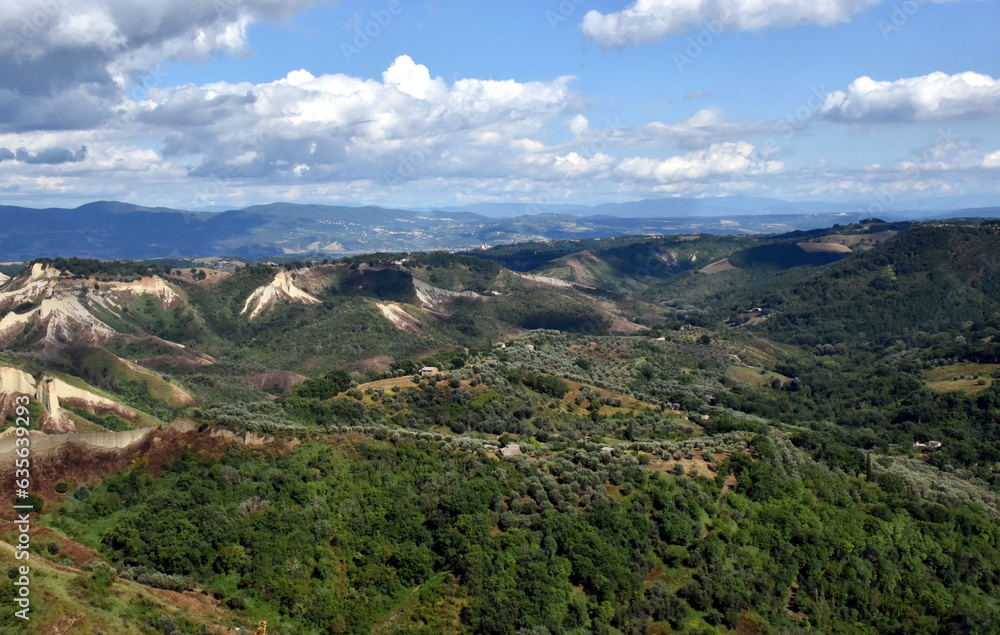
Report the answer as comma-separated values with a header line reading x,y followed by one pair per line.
x,y
218,104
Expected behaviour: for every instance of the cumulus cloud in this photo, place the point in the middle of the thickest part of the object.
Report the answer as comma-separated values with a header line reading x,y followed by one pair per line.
x,y
577,165
337,126
648,20
728,160
946,154
950,165
87,52
408,131
934,97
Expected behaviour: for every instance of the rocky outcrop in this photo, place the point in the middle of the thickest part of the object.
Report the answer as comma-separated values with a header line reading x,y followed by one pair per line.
x,y
432,297
16,381
53,393
281,288
396,314
552,282
150,286
62,309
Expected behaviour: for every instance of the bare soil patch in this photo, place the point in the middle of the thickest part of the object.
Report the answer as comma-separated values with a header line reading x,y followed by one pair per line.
x,y
833,248
718,267
83,464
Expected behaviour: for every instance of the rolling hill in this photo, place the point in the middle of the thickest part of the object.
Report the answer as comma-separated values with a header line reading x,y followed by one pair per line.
x,y
779,433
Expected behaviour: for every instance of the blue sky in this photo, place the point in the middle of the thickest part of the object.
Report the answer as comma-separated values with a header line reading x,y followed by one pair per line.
x,y
449,102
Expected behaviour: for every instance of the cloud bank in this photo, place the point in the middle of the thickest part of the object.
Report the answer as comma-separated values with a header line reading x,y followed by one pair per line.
x,y
649,20
66,63
84,114
934,97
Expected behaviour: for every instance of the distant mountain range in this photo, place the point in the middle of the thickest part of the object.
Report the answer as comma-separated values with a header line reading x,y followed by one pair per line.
x,y
108,229
675,207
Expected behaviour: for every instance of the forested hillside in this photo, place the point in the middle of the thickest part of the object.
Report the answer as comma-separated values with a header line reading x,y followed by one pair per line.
x,y
699,434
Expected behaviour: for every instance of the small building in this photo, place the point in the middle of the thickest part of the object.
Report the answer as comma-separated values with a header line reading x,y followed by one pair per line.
x,y
933,444
511,449
429,370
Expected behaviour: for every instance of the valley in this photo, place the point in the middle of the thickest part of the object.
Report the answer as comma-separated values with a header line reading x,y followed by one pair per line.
x,y
691,433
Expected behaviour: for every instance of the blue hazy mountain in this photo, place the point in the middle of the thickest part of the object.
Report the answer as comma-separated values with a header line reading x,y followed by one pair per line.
x,y
110,229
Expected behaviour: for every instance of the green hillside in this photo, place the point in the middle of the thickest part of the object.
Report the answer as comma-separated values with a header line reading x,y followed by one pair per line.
x,y
638,435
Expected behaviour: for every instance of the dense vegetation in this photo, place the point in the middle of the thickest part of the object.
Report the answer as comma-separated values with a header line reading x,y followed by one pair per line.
x,y
331,538
753,456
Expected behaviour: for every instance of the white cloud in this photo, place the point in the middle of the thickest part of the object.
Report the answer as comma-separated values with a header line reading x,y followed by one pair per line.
x,y
728,160
577,165
933,97
337,137
949,166
648,20
87,52
410,124
704,128
413,79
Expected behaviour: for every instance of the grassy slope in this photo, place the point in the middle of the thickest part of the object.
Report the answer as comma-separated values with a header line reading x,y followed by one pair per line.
x,y
70,601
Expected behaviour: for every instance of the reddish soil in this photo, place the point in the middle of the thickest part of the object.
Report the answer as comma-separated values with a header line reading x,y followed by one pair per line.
x,y
42,536
100,409
79,464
